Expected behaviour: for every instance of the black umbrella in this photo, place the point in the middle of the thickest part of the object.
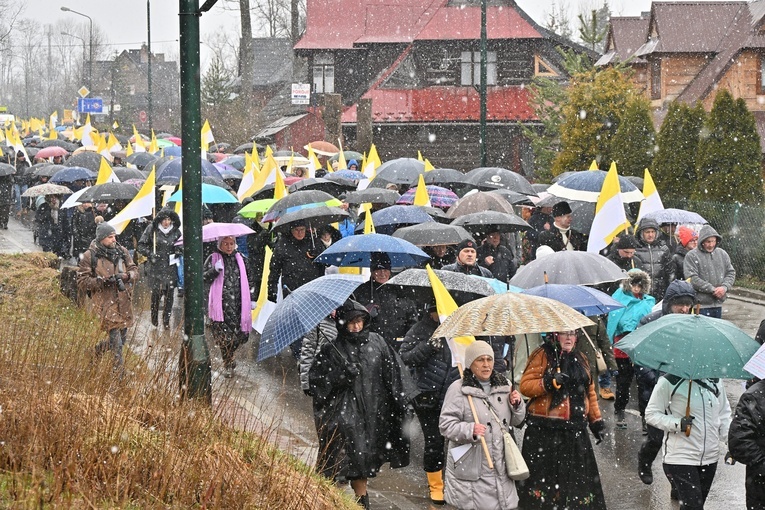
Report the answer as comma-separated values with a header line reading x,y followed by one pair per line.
x,y
124,174
488,178
6,169
87,159
155,165
513,197
266,191
331,187
373,196
347,184
491,221
311,196
141,159
314,216
463,288
479,202
109,192
348,155
247,147
45,169
445,177
433,234
237,162
219,147
58,143
539,187
401,171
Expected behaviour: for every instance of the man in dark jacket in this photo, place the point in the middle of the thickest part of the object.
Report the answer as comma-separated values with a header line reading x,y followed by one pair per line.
x,y
654,257
541,220
292,260
746,440
496,258
623,255
467,262
6,199
678,298
710,271
561,236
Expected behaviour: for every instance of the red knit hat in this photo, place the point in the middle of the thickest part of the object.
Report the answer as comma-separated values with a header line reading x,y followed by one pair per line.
x,y
686,235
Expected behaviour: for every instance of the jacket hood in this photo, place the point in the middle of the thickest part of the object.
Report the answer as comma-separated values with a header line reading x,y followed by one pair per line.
x,y
677,289
353,162
636,276
706,232
167,213
644,224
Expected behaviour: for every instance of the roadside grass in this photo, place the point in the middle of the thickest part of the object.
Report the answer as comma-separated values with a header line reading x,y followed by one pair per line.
x,y
750,282
74,435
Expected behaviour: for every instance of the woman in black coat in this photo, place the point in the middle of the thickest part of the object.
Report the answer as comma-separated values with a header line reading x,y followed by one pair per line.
x,y
360,391
83,229
157,244
52,224
746,441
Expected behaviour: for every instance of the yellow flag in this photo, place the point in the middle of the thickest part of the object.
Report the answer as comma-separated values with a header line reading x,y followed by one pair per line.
x,y
1,153
255,157
313,162
419,157
329,167
290,163
129,149
269,152
115,125
280,190
53,135
421,196
428,165
105,173
369,226
263,291
342,164
610,218
113,144
179,205
652,201
445,305
594,165
138,139
153,147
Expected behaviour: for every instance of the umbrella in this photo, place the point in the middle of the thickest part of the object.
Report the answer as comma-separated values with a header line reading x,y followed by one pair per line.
x,y
174,139
675,216
356,251
74,199
109,192
70,147
169,150
170,172
266,191
214,231
253,209
404,171
87,159
73,173
539,187
568,267
433,234
45,169
513,197
141,159
296,199
219,147
316,216
346,184
439,197
637,181
585,300
210,195
317,183
491,221
349,155
488,178
756,364
228,171
691,347
46,189
6,169
246,147
237,162
51,152
351,175
284,157
373,196
463,288
388,220
586,186
445,177
510,314
124,174
323,148
479,202
303,309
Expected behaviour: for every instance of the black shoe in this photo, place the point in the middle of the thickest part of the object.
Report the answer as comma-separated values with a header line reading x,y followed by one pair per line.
x,y
363,501
621,420
673,494
645,473
645,426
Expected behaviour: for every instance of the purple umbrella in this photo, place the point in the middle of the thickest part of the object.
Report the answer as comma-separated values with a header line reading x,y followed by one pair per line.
x,y
439,197
215,231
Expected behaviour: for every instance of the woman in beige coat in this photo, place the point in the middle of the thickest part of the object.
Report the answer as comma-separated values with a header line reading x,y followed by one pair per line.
x,y
469,483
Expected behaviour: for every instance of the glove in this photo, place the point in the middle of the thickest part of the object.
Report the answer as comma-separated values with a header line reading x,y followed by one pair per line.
x,y
307,393
352,370
561,378
272,298
598,429
313,253
729,460
685,422
219,266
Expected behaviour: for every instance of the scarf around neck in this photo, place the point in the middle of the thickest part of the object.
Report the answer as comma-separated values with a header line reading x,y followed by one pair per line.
x,y
215,299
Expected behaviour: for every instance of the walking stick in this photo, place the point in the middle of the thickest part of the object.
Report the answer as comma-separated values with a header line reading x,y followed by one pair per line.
x,y
688,408
475,418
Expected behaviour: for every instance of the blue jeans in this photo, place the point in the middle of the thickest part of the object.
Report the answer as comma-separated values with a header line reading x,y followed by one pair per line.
x,y
18,189
180,272
714,312
604,379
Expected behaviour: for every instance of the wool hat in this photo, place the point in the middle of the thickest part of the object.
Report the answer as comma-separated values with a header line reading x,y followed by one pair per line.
x,y
466,243
561,209
104,230
476,350
379,261
626,242
686,235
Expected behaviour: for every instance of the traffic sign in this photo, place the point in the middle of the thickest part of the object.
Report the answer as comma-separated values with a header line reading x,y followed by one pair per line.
x,y
83,91
142,116
90,105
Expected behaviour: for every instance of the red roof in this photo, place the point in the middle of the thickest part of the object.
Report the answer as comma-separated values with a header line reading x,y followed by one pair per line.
x,y
465,23
439,104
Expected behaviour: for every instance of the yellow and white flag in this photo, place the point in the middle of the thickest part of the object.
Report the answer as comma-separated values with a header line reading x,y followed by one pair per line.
x,y
445,305
113,144
428,165
105,173
267,174
610,218
264,307
85,136
594,165
652,201
52,120
421,196
207,138
142,205
140,146
370,168
313,163
153,145
247,184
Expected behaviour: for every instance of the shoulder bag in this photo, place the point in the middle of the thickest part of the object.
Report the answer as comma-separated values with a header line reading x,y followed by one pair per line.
x,y
514,463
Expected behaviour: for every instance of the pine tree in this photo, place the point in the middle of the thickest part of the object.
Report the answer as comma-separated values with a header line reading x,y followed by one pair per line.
x,y
674,166
729,166
557,20
634,143
593,27
216,88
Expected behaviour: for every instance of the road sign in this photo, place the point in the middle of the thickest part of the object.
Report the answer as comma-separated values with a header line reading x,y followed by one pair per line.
x,y
90,105
301,93
83,91
142,116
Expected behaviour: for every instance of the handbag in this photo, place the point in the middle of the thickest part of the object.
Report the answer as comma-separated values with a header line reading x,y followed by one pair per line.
x,y
599,361
515,465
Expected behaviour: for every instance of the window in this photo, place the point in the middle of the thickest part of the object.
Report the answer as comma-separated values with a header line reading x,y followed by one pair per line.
x,y
761,74
471,68
324,73
656,78
543,68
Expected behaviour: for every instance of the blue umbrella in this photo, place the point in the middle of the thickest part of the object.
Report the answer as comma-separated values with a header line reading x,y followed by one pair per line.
x,y
356,251
71,174
387,220
352,175
585,300
170,172
499,286
303,309
228,171
235,161
675,216
586,186
171,150
210,195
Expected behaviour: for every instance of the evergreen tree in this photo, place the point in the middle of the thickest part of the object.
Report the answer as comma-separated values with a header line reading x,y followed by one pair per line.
x,y
634,142
557,20
729,165
216,84
593,27
596,102
674,166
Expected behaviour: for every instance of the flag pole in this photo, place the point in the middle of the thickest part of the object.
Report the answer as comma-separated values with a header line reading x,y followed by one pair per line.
x,y
476,420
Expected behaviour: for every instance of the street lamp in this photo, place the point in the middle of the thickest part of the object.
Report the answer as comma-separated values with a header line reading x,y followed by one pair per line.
x,y
90,62
81,39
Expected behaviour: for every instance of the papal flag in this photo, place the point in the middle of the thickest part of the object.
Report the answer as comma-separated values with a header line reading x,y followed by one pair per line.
x,y
313,163
445,305
105,173
652,200
610,218
370,167
421,196
142,205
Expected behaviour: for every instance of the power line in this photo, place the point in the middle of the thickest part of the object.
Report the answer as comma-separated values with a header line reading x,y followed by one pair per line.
x,y
16,46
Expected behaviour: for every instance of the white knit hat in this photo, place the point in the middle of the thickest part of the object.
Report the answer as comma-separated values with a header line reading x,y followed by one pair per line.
x,y
476,350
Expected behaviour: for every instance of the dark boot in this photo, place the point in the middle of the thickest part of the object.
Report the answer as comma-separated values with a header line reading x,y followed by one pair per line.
x,y
363,501
645,471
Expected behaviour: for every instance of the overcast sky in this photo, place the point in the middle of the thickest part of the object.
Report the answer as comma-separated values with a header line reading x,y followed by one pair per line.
x,y
125,22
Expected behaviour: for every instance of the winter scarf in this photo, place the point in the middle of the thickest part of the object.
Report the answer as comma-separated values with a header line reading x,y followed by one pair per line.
x,y
215,301
570,363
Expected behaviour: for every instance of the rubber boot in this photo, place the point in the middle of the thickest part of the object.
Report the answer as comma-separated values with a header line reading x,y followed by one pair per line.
x,y
436,485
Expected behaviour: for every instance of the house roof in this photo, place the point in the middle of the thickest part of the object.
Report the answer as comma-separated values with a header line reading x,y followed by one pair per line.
x,y
459,22
625,36
278,125
440,104
273,61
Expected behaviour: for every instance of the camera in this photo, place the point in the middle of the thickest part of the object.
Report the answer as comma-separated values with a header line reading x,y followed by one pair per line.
x,y
118,281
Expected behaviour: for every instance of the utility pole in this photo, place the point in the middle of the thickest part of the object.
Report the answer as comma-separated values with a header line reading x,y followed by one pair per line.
x,y
148,65
482,92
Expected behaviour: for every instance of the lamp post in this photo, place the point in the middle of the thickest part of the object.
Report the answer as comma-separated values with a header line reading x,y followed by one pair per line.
x,y
81,40
90,61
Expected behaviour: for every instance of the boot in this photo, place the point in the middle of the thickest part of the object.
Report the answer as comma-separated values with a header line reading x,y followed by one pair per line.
x,y
363,501
436,485
645,471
